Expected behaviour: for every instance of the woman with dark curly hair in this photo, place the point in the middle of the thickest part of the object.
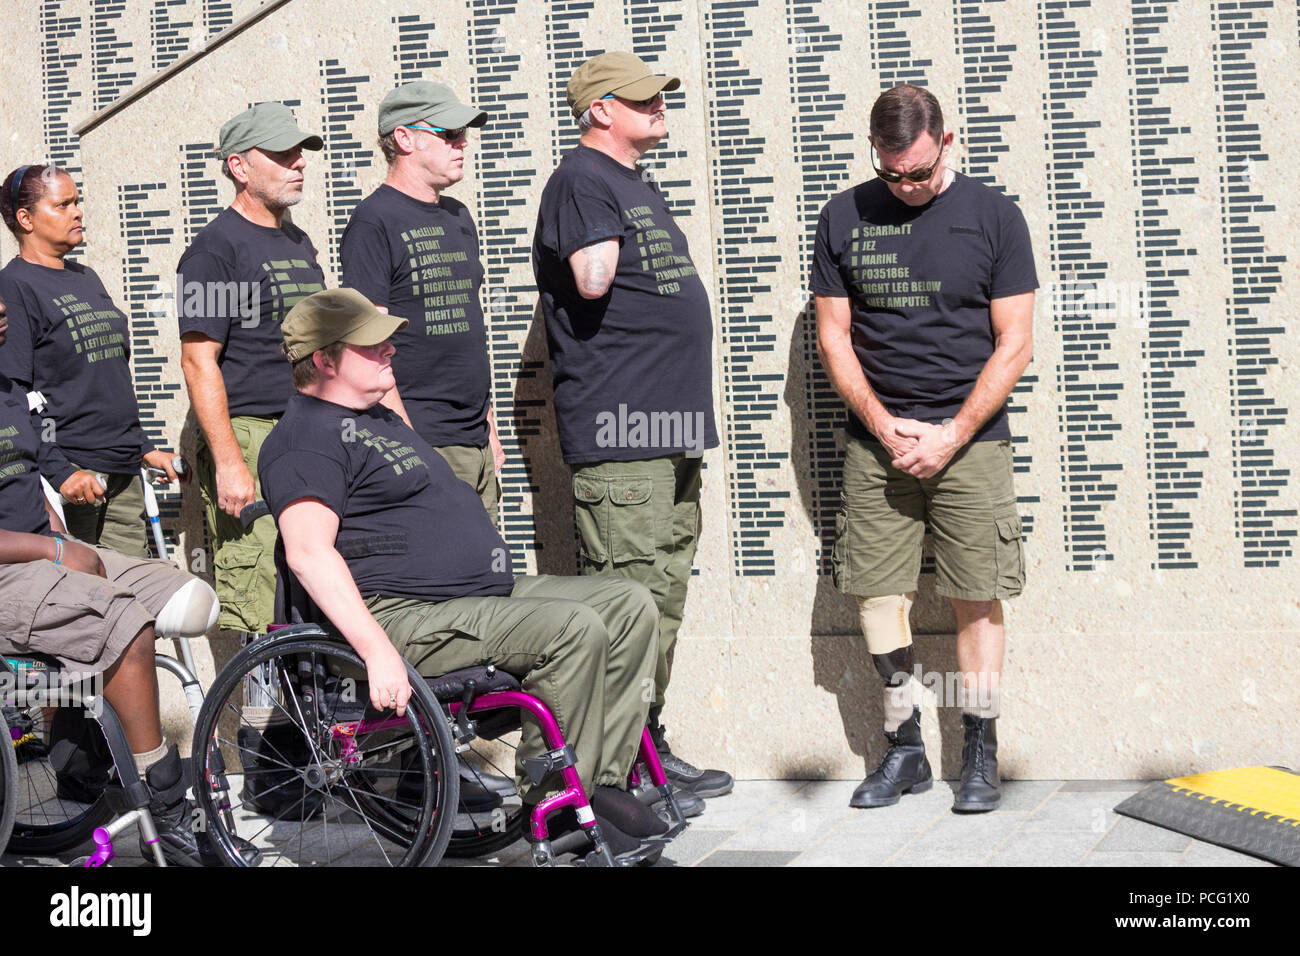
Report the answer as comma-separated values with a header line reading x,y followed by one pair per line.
x,y
71,344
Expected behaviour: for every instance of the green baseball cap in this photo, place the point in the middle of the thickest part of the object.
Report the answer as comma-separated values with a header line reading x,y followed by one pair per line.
x,y
623,74
269,126
335,315
424,100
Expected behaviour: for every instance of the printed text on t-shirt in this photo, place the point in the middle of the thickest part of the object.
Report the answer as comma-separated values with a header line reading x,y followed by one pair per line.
x,y
655,247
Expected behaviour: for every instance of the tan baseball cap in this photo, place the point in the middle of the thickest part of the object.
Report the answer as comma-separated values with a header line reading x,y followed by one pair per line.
x,y
335,315
424,100
269,126
623,74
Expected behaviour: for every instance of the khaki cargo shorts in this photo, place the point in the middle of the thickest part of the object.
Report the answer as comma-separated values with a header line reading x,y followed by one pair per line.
x,y
971,508
84,620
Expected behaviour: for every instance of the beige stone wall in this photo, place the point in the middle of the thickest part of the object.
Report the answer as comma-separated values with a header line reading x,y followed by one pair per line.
x,y
1146,144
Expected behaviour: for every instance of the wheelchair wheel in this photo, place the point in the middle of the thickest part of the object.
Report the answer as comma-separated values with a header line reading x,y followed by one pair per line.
x,y
50,815
490,815
8,783
289,756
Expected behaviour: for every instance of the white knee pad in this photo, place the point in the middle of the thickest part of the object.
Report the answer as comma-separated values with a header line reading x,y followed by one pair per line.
x,y
885,622
189,612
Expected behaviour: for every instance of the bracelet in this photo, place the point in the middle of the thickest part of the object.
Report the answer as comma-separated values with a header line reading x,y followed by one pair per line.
x,y
58,550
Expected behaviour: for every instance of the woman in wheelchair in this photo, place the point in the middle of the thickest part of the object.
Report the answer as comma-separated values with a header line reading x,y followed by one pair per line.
x,y
95,614
403,560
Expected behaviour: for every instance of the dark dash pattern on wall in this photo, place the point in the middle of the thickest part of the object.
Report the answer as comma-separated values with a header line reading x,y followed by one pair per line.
x,y
414,54
747,254
168,39
985,74
506,170
61,37
891,48
144,217
200,190
823,158
986,68
111,57
1156,81
344,155
217,16
1083,301
651,22
1266,532
565,20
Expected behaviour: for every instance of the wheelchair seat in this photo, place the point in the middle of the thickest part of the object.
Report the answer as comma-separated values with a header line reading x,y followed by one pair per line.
x,y
487,680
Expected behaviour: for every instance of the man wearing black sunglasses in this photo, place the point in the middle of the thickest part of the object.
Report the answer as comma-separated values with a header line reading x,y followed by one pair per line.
x,y
412,250
924,282
630,336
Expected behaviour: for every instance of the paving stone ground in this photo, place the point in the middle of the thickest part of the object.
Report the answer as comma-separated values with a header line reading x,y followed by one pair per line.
x,y
803,823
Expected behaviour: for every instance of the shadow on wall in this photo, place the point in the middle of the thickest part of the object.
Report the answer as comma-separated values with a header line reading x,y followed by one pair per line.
x,y
549,479
841,664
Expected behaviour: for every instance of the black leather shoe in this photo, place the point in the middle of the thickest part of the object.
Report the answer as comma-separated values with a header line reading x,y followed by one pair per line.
x,y
685,776
903,769
688,803
978,791
691,804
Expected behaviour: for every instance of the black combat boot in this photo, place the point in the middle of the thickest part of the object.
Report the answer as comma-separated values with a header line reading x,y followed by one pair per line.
x,y
903,769
181,834
687,776
978,791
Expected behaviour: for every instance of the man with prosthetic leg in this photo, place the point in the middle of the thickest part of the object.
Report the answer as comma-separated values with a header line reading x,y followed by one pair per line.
x,y
904,768
924,284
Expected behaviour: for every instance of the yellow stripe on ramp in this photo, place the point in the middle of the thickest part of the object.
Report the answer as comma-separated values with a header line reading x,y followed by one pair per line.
x,y
1254,789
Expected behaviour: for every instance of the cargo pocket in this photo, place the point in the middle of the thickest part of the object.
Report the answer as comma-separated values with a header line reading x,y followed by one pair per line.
x,y
238,586
1009,554
615,519
70,622
632,522
590,516
840,551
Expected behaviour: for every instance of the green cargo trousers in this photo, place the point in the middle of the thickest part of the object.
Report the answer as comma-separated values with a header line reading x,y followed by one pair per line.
x,y
243,560
584,646
117,522
641,520
475,467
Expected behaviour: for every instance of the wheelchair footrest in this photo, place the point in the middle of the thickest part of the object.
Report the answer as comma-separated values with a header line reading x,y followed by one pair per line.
x,y
665,804
538,767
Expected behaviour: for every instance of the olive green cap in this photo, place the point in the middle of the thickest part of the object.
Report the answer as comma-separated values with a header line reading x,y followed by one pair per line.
x,y
269,126
424,101
335,315
623,74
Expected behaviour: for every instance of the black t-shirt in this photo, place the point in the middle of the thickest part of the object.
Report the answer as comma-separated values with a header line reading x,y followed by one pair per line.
x,y
633,370
420,261
22,500
919,280
68,341
235,284
408,526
